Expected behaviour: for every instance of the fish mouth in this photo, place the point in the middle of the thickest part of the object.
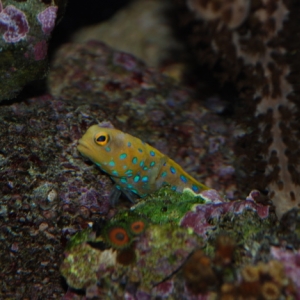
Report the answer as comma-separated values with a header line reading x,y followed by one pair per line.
x,y
82,147
82,143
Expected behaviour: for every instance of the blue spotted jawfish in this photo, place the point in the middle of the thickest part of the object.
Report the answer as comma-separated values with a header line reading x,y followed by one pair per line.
x,y
135,166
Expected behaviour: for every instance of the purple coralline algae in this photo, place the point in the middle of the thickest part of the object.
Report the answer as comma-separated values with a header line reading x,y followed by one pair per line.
x,y
14,24
40,50
47,18
25,28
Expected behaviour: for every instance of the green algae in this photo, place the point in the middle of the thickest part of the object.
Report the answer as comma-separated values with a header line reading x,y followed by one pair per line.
x,y
80,237
247,229
166,205
169,249
25,71
82,263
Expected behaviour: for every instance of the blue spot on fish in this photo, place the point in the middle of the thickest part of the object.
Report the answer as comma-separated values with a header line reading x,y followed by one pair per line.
x,y
183,178
111,163
174,188
134,160
142,163
195,188
129,173
152,163
163,174
152,153
114,172
123,156
123,180
129,144
145,178
145,168
172,169
107,149
140,150
136,178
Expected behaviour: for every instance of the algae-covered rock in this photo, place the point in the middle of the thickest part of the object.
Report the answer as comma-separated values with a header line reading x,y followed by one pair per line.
x,y
25,28
168,206
155,247
48,191
145,260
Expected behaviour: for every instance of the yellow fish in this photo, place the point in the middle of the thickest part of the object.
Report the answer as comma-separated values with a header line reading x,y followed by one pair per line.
x,y
133,165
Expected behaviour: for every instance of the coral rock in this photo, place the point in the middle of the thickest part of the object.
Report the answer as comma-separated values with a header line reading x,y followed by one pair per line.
x,y
25,28
252,45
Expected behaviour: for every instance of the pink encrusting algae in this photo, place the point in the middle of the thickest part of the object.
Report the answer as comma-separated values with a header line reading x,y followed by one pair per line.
x,y
47,19
14,24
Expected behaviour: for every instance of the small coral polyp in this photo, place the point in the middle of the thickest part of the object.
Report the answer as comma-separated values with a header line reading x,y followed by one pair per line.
x,y
137,227
118,237
262,281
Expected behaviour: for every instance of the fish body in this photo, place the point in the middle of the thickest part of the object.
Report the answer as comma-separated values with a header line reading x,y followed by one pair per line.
x,y
135,166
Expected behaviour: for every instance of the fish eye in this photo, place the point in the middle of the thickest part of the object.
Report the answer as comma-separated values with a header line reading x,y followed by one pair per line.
x,y
101,138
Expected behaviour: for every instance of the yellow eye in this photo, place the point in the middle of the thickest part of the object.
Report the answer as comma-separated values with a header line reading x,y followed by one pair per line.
x,y
101,138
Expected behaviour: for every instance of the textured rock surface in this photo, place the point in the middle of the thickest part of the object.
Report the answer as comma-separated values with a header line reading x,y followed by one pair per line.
x,y
155,255
25,28
148,105
45,195
254,48
147,36
48,191
240,233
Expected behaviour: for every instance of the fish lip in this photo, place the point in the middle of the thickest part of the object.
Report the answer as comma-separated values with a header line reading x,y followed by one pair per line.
x,y
82,144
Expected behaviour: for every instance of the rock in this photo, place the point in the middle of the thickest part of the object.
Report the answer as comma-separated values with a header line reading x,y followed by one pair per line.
x,y
25,29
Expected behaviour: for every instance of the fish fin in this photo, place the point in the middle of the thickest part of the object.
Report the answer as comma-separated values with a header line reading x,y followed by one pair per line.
x,y
130,196
115,195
